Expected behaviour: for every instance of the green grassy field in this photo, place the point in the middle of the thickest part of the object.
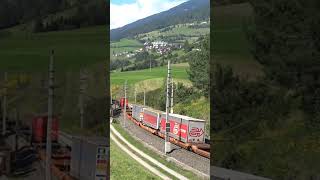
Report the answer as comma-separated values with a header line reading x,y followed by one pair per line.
x,y
125,45
122,166
180,29
132,77
24,51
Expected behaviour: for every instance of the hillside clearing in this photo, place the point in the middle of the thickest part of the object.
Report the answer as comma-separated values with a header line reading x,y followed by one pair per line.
x,y
132,77
24,51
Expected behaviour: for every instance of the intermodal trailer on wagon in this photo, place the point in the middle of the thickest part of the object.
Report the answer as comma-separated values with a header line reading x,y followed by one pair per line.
x,y
184,128
152,117
137,112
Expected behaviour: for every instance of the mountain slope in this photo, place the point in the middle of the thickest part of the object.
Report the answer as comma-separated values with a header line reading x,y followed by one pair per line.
x,y
189,11
52,15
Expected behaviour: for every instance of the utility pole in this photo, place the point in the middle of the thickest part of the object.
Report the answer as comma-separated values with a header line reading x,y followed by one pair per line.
x,y
167,145
171,110
50,114
16,129
125,104
111,110
4,114
83,79
110,95
17,117
144,96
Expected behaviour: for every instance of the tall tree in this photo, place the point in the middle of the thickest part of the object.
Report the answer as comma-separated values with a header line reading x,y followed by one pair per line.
x,y
285,40
200,68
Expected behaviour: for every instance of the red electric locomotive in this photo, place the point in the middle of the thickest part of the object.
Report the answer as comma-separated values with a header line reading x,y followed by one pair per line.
x,y
39,129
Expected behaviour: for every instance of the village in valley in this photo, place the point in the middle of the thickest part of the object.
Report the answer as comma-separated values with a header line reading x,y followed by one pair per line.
x,y
161,42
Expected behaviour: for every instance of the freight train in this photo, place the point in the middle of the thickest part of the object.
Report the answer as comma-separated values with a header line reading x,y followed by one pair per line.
x,y
185,131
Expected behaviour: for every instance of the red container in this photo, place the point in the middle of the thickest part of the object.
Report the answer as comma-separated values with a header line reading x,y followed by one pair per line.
x,y
39,129
122,103
184,128
152,118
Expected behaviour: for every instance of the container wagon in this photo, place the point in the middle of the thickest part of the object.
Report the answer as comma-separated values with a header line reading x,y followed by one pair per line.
x,y
152,117
186,132
137,112
184,128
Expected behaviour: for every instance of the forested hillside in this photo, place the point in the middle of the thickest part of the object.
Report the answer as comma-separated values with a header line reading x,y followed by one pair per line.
x,y
267,125
51,15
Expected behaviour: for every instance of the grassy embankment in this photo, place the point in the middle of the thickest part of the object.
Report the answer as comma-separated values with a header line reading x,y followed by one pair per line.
x,y
29,53
149,152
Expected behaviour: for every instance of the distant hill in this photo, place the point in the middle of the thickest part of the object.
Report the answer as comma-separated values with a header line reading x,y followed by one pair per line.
x,y
189,11
52,15
226,2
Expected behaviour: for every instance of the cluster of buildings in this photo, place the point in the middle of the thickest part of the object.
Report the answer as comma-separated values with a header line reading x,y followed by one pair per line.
x,y
128,54
160,47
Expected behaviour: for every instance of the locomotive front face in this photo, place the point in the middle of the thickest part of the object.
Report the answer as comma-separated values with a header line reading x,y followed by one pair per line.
x,y
39,129
123,102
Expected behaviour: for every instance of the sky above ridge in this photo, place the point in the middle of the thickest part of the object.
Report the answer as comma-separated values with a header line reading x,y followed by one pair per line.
x,y
123,12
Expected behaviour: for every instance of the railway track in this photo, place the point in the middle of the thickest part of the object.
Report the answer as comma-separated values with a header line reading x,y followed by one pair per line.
x,y
131,150
181,157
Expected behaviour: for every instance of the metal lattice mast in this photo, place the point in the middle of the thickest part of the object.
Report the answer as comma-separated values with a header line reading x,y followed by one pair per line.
x,y
50,114
144,96
16,130
171,104
135,95
111,110
167,145
4,114
125,104
83,86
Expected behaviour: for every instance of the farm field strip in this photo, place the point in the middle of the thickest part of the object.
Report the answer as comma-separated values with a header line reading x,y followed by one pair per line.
x,y
24,51
178,72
